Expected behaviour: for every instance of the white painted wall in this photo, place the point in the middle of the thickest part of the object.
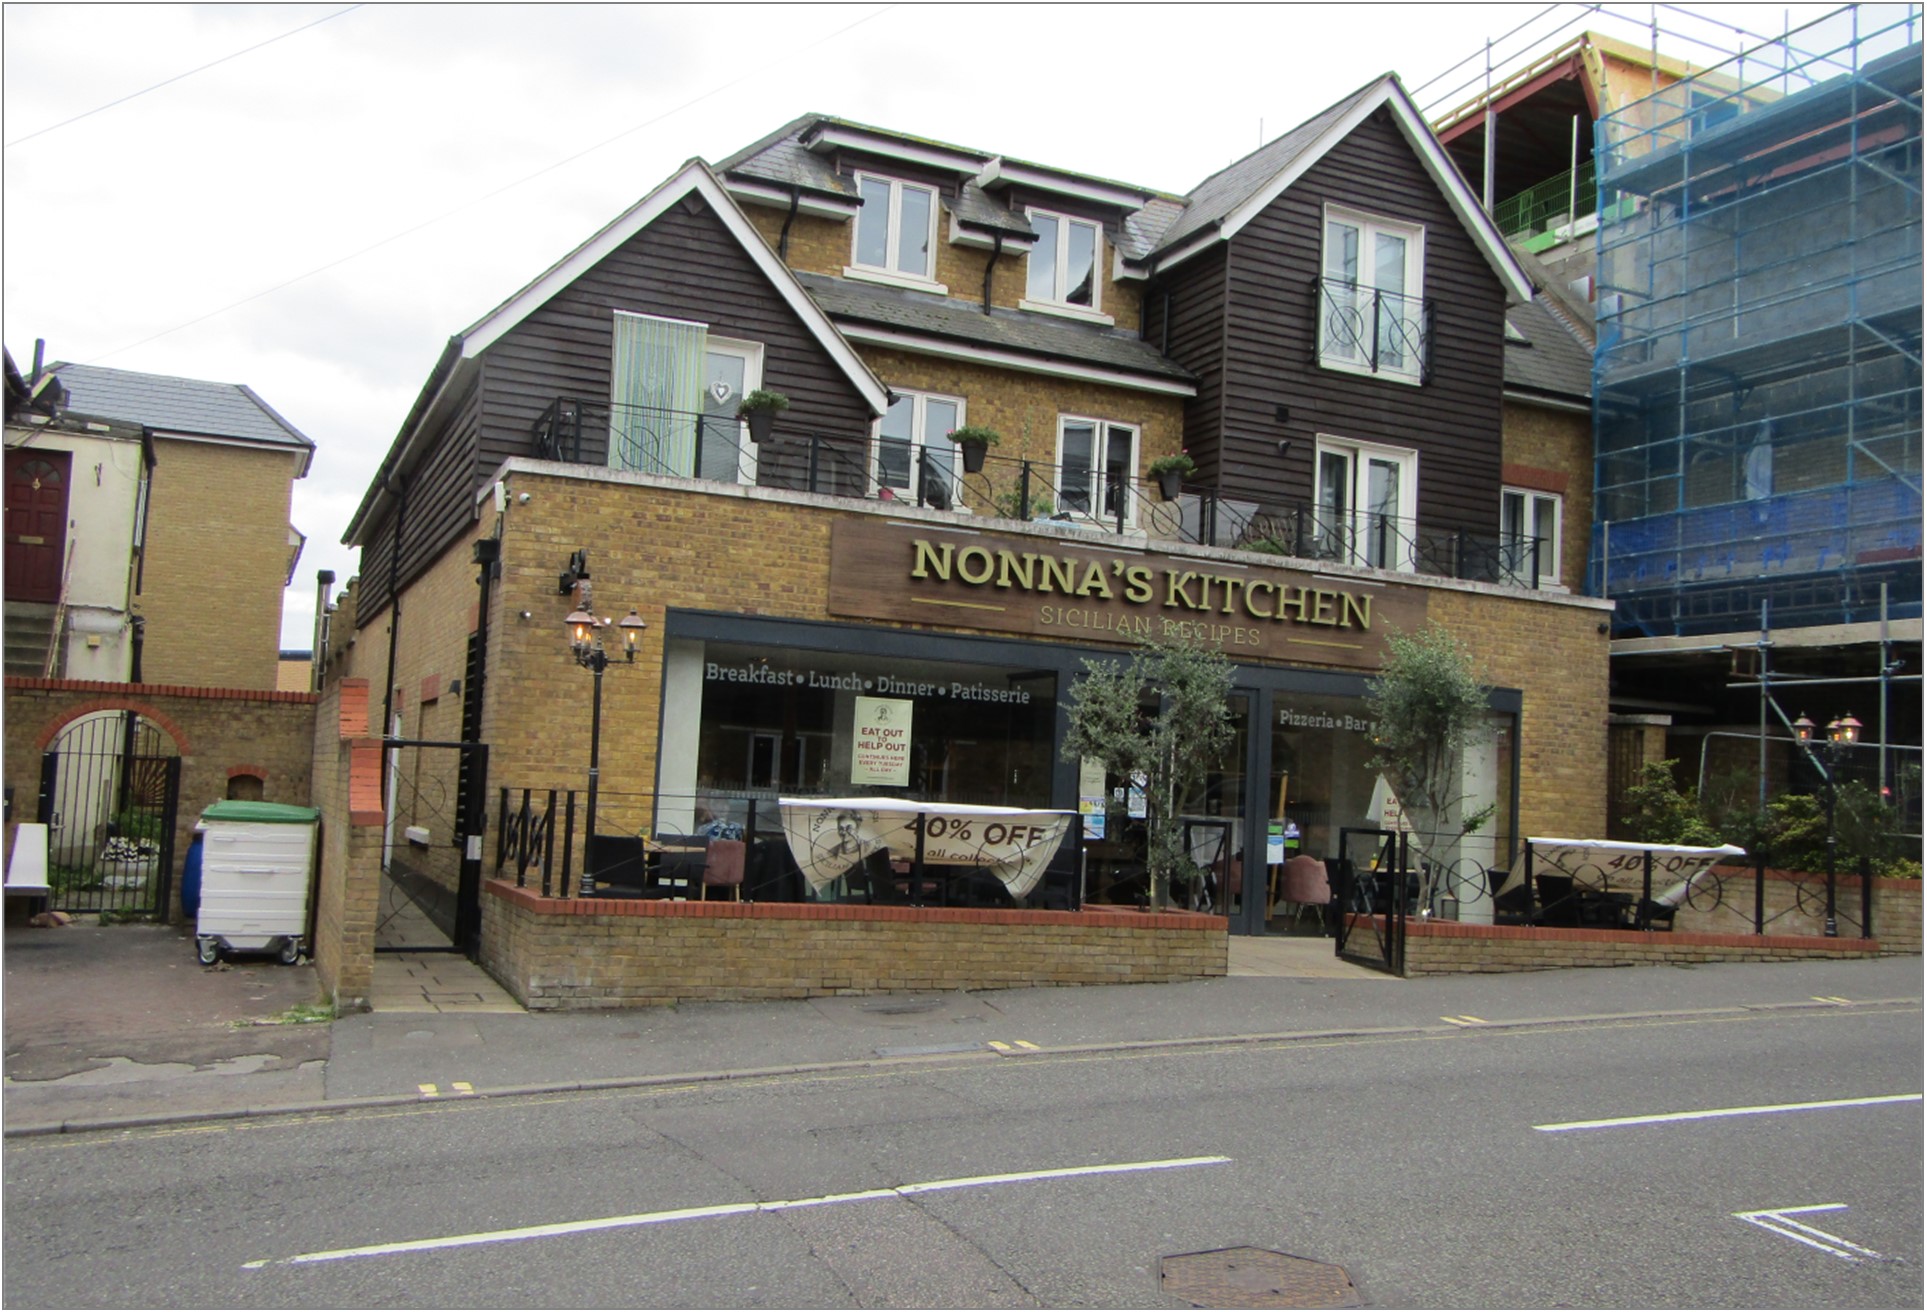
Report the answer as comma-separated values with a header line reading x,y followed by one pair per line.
x,y
102,497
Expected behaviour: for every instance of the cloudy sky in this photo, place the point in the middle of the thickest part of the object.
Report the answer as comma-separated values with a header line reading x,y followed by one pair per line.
x,y
311,199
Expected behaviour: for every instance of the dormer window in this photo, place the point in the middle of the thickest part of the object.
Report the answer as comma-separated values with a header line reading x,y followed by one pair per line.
x,y
1064,262
896,230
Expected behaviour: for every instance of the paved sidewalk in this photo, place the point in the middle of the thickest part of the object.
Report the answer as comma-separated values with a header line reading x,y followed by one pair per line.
x,y
113,1025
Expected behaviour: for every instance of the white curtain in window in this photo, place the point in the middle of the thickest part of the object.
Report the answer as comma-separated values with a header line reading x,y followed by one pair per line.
x,y
655,394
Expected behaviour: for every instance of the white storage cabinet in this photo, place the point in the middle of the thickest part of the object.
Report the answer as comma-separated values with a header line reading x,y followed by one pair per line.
x,y
257,863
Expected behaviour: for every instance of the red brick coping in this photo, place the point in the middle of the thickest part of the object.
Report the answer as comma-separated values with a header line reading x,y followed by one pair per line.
x,y
1093,918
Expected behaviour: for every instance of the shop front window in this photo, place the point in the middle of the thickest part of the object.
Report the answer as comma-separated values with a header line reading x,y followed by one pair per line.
x,y
745,725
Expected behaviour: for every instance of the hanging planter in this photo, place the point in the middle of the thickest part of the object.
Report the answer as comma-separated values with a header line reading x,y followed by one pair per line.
x,y
975,441
1170,472
759,410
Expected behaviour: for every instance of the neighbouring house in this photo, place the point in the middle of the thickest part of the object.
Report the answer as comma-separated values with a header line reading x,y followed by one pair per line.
x,y
1383,428
148,534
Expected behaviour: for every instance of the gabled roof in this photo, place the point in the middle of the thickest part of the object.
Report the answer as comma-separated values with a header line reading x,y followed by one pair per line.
x,y
185,406
783,159
466,347
1225,202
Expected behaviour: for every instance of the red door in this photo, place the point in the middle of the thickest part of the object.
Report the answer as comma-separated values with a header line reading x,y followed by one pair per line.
x,y
36,523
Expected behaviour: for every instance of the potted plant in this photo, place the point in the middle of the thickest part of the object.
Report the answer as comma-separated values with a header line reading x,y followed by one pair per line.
x,y
760,409
975,439
1170,472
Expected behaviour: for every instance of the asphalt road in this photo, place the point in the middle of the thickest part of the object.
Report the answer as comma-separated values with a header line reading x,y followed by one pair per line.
x,y
1420,1162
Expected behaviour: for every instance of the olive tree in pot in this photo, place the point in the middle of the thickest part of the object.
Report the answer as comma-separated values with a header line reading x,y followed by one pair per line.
x,y
1172,747
976,440
1170,472
760,409
1427,705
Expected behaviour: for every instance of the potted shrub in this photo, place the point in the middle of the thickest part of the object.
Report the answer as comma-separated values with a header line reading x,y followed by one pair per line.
x,y
975,440
760,409
1170,472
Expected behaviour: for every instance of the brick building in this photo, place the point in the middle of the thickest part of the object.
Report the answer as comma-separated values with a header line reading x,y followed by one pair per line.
x,y
1384,428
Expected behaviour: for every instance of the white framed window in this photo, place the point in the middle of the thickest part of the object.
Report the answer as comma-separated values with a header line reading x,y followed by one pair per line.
x,y
1529,526
673,393
1096,461
915,431
1371,316
1063,272
896,230
1366,503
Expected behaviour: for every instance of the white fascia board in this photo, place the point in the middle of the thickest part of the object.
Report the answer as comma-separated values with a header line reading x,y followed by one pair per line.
x,y
694,176
774,197
1001,173
950,350
1179,254
962,236
1546,402
831,136
1484,235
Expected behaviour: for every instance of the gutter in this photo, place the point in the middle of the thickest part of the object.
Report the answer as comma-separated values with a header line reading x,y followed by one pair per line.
x,y
405,439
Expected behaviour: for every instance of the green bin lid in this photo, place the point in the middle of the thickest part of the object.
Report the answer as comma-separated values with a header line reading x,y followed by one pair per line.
x,y
261,813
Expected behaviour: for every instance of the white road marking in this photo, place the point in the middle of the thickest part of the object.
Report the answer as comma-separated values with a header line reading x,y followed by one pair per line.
x,y
1779,1220
1714,1113
726,1209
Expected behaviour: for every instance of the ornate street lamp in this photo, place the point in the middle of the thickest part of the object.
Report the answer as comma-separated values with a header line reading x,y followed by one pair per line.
x,y
585,643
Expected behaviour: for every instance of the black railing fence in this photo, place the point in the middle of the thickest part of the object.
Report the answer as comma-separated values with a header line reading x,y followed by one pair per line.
x,y
1383,332
1088,499
541,844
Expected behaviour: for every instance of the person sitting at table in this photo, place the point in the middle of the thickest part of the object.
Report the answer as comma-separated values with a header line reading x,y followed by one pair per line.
x,y
711,825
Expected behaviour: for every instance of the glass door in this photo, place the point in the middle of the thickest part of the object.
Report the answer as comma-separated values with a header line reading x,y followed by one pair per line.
x,y
731,370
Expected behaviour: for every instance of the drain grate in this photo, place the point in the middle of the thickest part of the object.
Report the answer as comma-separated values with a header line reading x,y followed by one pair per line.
x,y
1255,1277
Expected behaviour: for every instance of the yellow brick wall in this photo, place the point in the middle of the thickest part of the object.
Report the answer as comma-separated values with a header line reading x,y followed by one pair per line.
x,y
725,552
1561,442
1557,658
216,565
1023,408
562,955
819,245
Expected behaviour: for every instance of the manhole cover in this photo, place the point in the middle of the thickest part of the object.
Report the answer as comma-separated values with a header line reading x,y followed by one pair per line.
x,y
903,1006
1256,1277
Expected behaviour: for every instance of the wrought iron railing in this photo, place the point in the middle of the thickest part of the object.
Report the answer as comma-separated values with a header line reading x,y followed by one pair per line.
x,y
1361,327
937,476
538,845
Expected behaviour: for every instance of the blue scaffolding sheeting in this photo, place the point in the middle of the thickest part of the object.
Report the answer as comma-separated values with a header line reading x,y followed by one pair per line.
x,y
1757,385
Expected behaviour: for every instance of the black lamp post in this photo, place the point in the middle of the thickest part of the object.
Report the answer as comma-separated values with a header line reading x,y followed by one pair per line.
x,y
585,643
1842,734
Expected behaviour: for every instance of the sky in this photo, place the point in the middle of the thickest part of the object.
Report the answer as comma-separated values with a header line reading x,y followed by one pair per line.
x,y
311,199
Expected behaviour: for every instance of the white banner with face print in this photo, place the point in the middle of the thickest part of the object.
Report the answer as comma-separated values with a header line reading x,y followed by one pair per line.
x,y
829,835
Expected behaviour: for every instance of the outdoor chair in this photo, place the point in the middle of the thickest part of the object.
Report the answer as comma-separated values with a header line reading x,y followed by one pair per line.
x,y
724,868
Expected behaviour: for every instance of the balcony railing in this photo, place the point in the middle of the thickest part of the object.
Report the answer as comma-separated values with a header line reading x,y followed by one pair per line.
x,y
1096,501
1373,331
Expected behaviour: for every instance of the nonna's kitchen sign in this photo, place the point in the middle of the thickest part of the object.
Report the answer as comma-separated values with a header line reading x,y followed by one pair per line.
x,y
894,570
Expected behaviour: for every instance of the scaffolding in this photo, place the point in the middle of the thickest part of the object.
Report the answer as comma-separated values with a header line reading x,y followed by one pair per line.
x,y
1757,384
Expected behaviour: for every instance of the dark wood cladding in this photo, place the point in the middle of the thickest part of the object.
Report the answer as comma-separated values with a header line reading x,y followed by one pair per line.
x,y
683,266
1193,300
686,266
441,505
1268,356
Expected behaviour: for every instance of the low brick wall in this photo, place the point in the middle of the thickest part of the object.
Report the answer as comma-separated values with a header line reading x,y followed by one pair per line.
x,y
1796,907
555,953
1450,948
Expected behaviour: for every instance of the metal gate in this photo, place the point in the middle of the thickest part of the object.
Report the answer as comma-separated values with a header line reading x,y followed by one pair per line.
x,y
431,898
1375,888
110,791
